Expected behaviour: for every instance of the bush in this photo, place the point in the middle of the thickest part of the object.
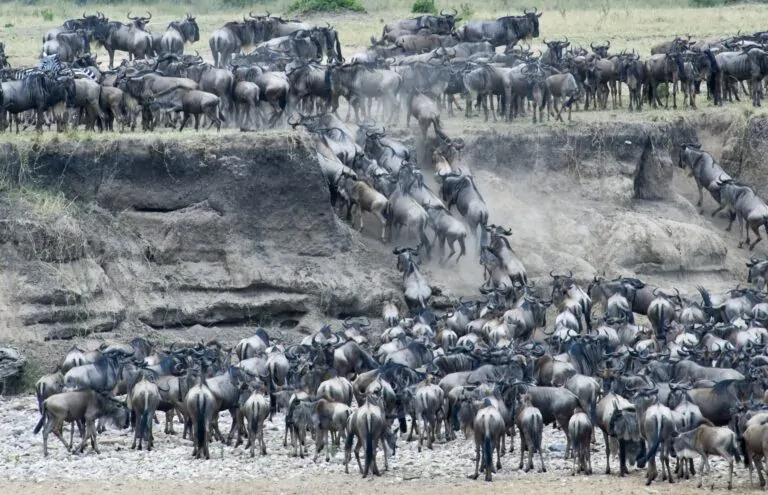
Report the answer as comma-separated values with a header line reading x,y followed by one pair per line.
x,y
424,7
47,15
325,6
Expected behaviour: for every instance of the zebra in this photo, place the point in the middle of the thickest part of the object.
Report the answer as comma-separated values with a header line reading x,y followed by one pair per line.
x,y
51,63
85,73
18,74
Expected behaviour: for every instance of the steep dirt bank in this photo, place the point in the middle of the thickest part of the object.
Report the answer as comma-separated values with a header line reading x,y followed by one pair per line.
x,y
185,239
134,235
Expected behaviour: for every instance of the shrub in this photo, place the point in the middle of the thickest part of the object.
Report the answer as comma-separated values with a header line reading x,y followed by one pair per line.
x,y
424,7
325,6
47,15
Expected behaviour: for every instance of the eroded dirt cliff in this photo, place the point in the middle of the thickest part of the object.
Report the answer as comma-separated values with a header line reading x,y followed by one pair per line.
x,y
201,236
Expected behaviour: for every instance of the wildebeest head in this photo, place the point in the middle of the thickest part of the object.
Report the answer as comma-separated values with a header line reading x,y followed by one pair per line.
x,y
406,257
139,22
601,50
446,22
560,285
331,43
188,28
556,49
757,272
533,18
689,153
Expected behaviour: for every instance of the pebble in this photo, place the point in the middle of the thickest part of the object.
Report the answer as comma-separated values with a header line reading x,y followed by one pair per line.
x,y
21,454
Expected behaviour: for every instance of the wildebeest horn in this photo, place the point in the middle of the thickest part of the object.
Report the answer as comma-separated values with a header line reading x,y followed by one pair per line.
x,y
655,292
129,16
607,43
552,274
592,46
148,18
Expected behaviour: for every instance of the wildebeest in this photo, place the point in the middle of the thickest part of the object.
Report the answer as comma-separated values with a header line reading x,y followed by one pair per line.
x,y
705,171
232,38
131,38
744,204
503,31
178,33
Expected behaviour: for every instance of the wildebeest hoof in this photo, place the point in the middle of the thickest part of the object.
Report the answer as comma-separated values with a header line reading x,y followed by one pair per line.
x,y
472,476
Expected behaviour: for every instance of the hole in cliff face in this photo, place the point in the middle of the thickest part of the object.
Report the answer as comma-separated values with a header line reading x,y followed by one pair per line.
x,y
288,324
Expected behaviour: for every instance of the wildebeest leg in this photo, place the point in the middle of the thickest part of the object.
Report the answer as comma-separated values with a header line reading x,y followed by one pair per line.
x,y
756,230
184,121
477,460
741,228
197,121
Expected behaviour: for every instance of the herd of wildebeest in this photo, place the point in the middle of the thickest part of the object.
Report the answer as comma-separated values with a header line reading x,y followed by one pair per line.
x,y
266,68
690,383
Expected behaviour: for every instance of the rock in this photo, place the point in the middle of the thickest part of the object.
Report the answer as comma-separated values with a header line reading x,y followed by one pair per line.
x,y
12,364
411,475
651,245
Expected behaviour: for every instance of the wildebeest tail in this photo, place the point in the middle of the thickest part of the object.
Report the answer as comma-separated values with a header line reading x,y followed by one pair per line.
x,y
734,451
368,443
743,449
272,398
350,439
254,426
144,423
656,441
41,423
487,448
200,432
339,57
40,394
593,410
538,427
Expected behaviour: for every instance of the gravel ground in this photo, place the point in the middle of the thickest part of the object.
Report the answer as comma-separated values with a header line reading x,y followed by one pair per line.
x,y
231,470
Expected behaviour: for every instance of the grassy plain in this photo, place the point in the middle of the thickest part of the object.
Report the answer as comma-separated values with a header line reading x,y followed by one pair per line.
x,y
626,23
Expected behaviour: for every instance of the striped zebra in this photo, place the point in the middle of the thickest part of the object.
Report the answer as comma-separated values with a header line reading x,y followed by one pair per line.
x,y
85,73
51,63
18,74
